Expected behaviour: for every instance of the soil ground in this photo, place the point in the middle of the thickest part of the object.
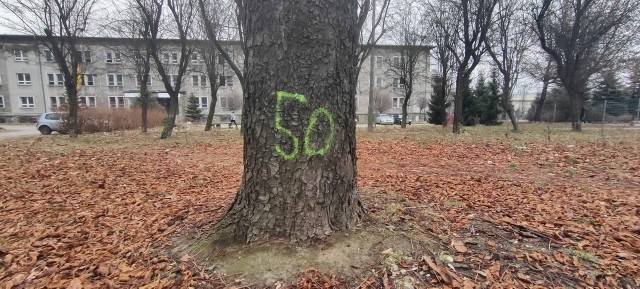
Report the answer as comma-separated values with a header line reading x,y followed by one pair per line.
x,y
484,209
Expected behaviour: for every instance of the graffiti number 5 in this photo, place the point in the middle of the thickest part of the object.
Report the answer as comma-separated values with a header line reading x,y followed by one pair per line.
x,y
280,97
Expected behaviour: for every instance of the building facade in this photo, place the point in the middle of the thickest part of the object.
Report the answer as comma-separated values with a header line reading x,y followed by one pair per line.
x,y
31,83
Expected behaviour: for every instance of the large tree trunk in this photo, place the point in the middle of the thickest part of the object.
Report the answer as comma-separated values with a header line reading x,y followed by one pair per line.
x,y
576,102
299,178
170,120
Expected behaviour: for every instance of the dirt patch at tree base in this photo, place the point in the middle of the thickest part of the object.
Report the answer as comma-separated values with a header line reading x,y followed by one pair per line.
x,y
346,255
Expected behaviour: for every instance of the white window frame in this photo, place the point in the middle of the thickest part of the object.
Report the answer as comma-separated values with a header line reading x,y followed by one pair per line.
x,y
48,55
203,101
82,101
199,80
85,55
119,101
20,55
170,57
397,61
115,79
378,61
228,80
2,102
195,58
27,104
113,57
55,79
379,81
56,101
173,79
396,82
26,78
149,81
396,101
89,79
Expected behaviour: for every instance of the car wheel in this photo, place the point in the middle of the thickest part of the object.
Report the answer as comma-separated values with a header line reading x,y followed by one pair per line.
x,y
44,129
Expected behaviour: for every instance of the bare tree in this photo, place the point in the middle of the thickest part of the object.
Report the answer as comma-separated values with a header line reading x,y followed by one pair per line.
x,y
136,51
438,18
423,103
212,18
410,66
171,65
58,26
541,69
465,27
368,39
583,37
507,44
382,99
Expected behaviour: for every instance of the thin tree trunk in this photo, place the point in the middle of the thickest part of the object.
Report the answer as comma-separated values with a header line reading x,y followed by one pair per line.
x,y
299,178
506,104
457,102
144,106
540,101
212,108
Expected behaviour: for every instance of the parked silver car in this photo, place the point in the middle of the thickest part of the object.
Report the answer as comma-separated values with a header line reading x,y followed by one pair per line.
x,y
384,119
51,121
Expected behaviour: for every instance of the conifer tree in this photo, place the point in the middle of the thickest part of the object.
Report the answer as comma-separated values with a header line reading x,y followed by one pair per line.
x,y
439,102
193,112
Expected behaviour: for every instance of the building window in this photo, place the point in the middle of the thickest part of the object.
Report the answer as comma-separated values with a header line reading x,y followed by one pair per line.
x,y
114,79
397,61
84,56
173,79
116,101
139,77
379,81
24,79
223,101
55,79
56,101
397,102
396,82
2,101
378,61
226,80
113,57
170,57
88,79
87,101
20,55
199,80
27,102
195,58
203,101
48,55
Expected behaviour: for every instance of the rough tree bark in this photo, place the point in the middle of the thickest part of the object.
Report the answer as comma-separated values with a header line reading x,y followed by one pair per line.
x,y
299,178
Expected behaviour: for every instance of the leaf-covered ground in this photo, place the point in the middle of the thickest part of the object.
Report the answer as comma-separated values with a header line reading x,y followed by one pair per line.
x,y
501,209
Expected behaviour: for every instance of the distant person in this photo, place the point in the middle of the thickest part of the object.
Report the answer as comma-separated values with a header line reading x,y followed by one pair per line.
x,y
232,120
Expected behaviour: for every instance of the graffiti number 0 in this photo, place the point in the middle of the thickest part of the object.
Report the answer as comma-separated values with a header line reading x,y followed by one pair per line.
x,y
280,97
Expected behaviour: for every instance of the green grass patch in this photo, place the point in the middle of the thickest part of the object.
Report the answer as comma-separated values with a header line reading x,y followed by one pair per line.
x,y
584,255
449,203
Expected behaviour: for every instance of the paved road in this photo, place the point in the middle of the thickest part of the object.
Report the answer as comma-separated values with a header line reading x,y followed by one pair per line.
x,y
17,130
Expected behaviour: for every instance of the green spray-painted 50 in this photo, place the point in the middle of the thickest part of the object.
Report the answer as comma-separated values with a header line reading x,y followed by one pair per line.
x,y
280,97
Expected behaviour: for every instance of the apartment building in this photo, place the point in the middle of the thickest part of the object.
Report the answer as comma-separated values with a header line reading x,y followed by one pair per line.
x,y
31,83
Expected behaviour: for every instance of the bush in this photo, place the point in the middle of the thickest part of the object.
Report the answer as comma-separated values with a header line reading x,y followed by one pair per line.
x,y
92,120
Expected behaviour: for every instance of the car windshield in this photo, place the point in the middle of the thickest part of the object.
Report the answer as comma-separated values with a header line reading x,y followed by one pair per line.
x,y
52,116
